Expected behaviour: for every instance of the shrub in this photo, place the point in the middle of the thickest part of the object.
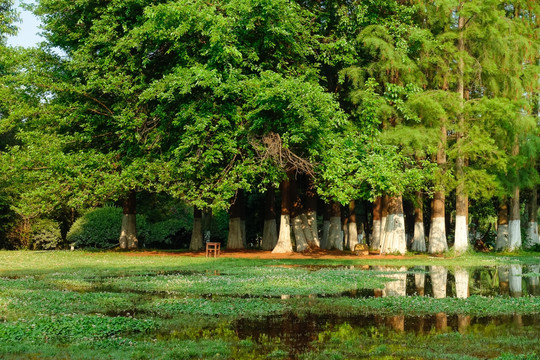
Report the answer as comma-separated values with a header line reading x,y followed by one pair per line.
x,y
100,228
46,235
167,233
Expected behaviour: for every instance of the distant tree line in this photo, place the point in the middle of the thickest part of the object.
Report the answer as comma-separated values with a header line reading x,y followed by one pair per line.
x,y
332,122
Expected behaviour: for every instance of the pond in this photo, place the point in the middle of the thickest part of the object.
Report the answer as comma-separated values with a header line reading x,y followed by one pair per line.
x,y
304,334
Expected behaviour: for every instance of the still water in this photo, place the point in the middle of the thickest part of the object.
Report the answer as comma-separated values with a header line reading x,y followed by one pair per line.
x,y
301,333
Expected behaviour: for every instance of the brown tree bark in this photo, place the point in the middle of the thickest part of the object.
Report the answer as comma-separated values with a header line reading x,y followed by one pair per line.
x,y
237,215
419,238
377,225
437,229
269,239
502,225
128,234
197,233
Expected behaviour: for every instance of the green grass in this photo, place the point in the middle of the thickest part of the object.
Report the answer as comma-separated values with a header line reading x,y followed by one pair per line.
x,y
114,305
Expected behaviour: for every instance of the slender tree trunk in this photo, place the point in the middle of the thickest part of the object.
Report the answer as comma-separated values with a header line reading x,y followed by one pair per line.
x,y
311,214
514,279
514,223
420,280
394,234
352,226
437,229
461,241
377,220
269,239
532,226
384,215
502,226
197,234
325,243
284,244
297,220
236,238
419,238
504,286
345,226
128,232
335,238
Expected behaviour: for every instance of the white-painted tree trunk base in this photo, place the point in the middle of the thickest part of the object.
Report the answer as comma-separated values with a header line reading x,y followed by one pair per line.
x,y
514,234
376,235
353,235
437,236
394,235
311,217
502,237
325,243
270,236
419,239
196,242
284,243
235,239
533,280
335,237
532,233
299,234
461,242
345,235
514,279
438,276
128,232
462,283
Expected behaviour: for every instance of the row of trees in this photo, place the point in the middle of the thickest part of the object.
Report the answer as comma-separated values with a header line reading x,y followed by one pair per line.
x,y
338,99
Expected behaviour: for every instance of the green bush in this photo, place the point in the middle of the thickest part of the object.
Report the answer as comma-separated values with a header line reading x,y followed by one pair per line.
x,y
46,235
164,233
100,228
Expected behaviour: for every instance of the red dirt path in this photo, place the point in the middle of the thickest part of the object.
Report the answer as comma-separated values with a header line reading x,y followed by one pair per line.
x,y
261,254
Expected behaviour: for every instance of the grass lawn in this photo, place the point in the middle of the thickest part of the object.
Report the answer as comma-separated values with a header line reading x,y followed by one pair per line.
x,y
113,305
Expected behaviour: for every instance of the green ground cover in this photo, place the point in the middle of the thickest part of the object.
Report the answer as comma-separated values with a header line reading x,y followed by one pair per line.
x,y
87,305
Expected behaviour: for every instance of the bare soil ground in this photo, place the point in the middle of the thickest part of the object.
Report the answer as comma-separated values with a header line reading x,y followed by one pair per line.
x,y
261,254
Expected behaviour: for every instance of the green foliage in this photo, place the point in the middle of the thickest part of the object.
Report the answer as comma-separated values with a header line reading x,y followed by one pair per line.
x,y
100,228
46,235
163,232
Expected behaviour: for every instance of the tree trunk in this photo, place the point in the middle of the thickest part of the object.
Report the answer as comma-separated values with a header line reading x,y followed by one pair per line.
x,y
311,214
325,244
502,226
419,238
514,223
335,238
237,232
420,280
284,243
504,279
128,233
297,220
197,234
269,239
394,234
532,226
514,279
384,215
437,229
461,241
377,219
352,231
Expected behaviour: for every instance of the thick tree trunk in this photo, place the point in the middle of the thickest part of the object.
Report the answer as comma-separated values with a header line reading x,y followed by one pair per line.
x,y
352,231
297,220
504,272
419,238
197,234
325,243
335,237
394,234
514,223
502,226
284,243
377,219
462,283
237,232
532,226
461,241
437,229
128,232
311,214
269,239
